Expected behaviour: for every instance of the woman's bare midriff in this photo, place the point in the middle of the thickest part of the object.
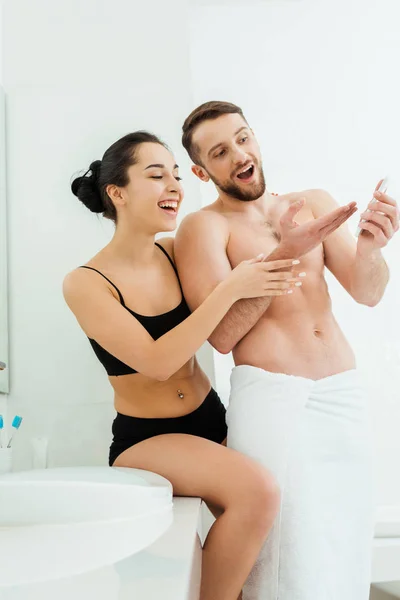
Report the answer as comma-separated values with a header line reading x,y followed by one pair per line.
x,y
298,335
140,396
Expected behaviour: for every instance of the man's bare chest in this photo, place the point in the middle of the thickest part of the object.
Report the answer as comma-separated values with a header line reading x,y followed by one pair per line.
x,y
247,240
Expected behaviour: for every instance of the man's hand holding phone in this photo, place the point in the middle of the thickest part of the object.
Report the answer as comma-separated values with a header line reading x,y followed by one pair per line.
x,y
379,222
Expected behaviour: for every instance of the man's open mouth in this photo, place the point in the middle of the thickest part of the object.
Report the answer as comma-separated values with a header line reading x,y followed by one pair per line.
x,y
246,174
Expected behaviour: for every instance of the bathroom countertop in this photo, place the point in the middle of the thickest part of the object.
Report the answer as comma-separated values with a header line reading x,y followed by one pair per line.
x,y
386,548
386,560
168,569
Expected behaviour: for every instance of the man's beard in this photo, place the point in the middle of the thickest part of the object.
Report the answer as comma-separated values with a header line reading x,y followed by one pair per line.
x,y
235,191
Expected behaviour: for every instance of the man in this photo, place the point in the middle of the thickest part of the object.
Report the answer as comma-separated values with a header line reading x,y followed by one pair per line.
x,y
296,404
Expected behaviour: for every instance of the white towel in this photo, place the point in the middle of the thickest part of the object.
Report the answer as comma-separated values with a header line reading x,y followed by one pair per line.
x,y
314,436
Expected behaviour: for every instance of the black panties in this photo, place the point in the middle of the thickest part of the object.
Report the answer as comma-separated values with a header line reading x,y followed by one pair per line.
x,y
207,421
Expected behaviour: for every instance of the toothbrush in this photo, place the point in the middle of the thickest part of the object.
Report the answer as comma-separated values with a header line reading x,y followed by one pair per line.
x,y
16,423
1,430
382,188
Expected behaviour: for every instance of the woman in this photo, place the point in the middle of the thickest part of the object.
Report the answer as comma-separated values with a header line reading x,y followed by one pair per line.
x,y
129,302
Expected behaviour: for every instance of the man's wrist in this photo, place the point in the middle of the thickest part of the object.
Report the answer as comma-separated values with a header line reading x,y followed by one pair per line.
x,y
282,252
370,254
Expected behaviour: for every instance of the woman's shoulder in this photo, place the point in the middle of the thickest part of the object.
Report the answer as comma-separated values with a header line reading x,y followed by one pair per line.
x,y
84,282
168,244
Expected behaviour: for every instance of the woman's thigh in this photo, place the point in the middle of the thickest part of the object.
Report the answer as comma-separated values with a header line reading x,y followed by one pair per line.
x,y
199,467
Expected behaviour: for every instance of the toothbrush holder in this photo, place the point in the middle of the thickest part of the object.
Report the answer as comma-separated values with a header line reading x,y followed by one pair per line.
x,y
5,460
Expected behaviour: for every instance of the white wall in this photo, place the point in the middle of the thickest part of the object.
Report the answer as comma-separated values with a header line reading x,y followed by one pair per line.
x,y
78,75
318,82
1,42
3,342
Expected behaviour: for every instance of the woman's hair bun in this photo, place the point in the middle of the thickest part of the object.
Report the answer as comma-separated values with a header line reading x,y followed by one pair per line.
x,y
87,189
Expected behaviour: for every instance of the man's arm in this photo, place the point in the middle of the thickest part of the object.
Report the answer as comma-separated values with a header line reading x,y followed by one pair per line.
x,y
358,266
202,261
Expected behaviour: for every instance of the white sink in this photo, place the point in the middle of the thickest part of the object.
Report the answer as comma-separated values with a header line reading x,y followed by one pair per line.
x,y
62,522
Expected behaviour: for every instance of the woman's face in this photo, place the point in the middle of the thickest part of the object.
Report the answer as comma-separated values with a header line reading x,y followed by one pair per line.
x,y
154,193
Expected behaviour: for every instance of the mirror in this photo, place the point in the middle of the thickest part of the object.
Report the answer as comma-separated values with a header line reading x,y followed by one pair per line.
x,y
4,382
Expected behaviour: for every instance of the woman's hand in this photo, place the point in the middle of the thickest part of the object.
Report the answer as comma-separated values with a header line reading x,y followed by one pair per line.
x,y
255,278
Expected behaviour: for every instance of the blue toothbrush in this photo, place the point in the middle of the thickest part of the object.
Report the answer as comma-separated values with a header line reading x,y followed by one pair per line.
x,y
1,430
16,423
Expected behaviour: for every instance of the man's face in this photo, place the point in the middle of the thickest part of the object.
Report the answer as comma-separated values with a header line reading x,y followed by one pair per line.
x,y
230,156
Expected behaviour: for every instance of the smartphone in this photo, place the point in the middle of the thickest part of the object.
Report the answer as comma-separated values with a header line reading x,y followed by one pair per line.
x,y
382,188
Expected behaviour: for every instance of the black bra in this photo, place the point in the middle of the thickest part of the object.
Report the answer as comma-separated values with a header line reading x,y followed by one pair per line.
x,y
156,326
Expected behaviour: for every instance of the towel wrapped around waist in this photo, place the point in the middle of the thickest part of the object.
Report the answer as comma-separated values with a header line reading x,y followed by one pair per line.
x,y
314,437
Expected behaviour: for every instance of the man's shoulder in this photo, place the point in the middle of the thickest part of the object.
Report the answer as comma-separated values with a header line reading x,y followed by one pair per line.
x,y
315,199
205,218
310,195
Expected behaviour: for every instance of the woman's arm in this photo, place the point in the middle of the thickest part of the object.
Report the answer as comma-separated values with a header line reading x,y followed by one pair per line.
x,y
105,320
